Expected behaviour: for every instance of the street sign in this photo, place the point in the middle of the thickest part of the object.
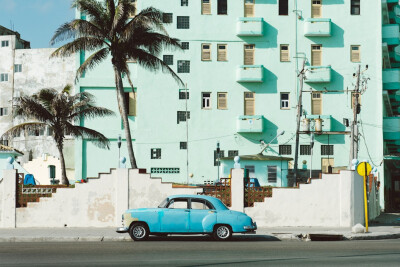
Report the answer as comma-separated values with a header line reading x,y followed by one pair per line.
x,y
364,169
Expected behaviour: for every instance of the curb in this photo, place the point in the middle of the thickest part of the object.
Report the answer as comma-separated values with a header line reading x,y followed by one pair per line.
x,y
64,239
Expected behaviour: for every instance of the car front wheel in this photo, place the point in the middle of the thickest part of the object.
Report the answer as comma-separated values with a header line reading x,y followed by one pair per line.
x,y
222,233
139,232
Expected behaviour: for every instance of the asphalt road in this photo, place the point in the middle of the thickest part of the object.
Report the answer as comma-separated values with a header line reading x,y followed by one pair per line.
x,y
202,251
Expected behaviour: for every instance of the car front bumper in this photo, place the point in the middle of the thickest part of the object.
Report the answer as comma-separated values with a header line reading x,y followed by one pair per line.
x,y
250,228
122,230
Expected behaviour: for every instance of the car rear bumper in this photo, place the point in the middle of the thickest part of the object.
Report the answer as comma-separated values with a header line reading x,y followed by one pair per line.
x,y
122,230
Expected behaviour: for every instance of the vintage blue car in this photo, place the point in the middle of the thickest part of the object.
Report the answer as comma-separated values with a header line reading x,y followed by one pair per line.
x,y
186,214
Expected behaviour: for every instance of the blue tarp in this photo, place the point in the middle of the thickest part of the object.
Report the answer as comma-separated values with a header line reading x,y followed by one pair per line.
x,y
29,179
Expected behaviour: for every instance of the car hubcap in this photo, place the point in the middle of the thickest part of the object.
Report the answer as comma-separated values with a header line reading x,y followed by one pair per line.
x,y
139,232
223,232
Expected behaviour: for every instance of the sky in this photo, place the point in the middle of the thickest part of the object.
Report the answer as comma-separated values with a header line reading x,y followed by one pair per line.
x,y
35,20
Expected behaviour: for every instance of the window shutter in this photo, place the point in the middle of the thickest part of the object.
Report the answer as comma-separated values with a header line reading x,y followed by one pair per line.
x,y
249,9
222,55
316,9
316,104
222,101
355,54
132,104
285,53
316,56
249,55
206,52
249,105
206,8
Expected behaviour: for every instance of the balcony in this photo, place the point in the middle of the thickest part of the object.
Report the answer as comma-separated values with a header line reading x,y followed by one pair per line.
x,y
249,27
397,14
318,74
316,125
249,124
391,34
397,53
317,27
250,73
391,79
391,126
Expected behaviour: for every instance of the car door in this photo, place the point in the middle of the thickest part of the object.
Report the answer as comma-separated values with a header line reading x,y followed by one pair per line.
x,y
175,217
203,216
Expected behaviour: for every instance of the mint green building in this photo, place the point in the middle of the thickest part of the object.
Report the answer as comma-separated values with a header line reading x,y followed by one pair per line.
x,y
241,63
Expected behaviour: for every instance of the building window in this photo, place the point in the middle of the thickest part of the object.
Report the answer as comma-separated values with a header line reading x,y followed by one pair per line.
x,y
272,173
284,100
316,9
249,8
183,115
251,169
285,57
222,7
222,102
222,52
167,18
283,7
316,104
316,55
249,54
326,164
156,153
168,59
305,150
4,77
183,145
233,153
355,7
221,155
183,22
183,94
184,2
183,66
205,7
130,103
355,53
4,142
249,105
206,100
205,52
49,131
327,150
285,149
36,132
3,111
164,170
18,68
185,45
4,43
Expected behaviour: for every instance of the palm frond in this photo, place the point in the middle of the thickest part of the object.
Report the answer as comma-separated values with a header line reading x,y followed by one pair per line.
x,y
27,107
90,111
150,18
82,43
23,127
97,138
92,61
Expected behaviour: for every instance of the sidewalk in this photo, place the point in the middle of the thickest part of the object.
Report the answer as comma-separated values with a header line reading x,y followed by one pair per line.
x,y
109,234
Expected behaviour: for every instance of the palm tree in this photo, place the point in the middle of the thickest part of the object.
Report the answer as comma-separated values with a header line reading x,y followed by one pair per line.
x,y
111,30
58,111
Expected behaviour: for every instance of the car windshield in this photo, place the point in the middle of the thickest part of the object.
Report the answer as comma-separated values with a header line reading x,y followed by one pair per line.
x,y
164,203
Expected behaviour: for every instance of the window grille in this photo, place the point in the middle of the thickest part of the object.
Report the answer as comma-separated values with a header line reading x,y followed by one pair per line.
x,y
185,45
221,155
183,66
285,57
327,150
305,150
156,153
355,53
168,59
233,153
206,52
183,94
184,2
285,149
249,54
272,173
183,145
183,22
164,170
355,7
222,52
206,7
222,101
316,100
167,18
182,116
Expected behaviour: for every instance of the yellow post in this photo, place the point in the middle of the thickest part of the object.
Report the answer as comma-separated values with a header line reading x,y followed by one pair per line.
x,y
365,204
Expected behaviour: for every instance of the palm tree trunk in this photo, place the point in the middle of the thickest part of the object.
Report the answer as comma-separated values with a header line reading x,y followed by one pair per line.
x,y
64,179
123,111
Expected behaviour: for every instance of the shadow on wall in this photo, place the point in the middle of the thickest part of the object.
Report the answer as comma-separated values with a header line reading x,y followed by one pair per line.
x,y
270,130
336,84
335,40
268,40
268,86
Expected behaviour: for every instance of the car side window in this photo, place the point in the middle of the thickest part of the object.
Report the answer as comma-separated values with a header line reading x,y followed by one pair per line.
x,y
201,204
178,203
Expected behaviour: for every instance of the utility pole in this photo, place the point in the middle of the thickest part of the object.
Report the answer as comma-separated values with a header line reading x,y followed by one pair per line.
x,y
299,112
354,125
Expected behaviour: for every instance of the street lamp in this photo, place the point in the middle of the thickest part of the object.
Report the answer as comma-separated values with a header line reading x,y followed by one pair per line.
x,y
119,149
312,146
218,151
281,133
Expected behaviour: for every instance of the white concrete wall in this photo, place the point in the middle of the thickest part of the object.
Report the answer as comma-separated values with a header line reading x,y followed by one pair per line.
x,y
336,200
7,199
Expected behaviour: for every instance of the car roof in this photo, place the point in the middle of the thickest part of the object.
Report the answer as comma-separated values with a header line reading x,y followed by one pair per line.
x,y
215,201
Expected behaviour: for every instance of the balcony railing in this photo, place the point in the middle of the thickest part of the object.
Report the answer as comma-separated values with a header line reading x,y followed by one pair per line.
x,y
249,73
249,27
317,27
391,79
249,124
318,74
391,34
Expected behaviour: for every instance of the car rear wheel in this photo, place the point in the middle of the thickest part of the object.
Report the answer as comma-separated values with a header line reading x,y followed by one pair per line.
x,y
222,233
139,232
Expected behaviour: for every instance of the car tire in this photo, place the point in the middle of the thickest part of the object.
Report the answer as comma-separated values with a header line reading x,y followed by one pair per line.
x,y
222,232
139,231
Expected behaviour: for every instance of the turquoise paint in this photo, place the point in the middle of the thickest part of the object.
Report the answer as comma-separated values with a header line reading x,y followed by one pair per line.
x,y
250,73
249,124
318,74
250,27
314,27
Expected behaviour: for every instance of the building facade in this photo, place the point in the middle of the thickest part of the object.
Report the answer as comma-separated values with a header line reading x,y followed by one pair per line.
x,y
241,64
